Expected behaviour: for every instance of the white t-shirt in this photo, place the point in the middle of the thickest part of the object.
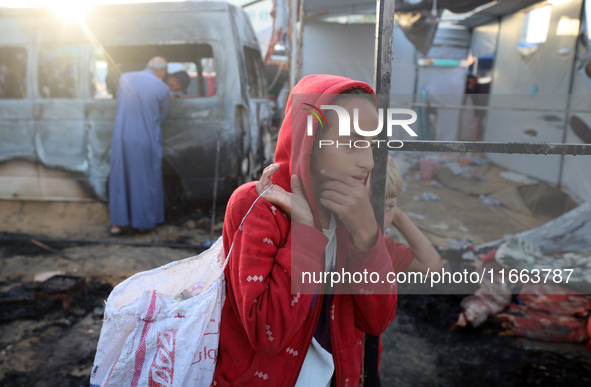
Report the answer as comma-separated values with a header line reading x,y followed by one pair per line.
x,y
318,366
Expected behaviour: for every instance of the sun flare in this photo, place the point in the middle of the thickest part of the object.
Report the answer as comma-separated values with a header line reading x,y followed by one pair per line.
x,y
69,9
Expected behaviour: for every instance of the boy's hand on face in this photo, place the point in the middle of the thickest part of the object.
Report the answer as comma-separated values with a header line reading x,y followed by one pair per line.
x,y
348,199
289,202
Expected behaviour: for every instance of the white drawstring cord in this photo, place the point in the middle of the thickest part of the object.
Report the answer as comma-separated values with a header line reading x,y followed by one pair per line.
x,y
240,226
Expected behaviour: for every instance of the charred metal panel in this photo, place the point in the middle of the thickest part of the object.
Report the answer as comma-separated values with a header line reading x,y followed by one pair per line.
x,y
100,117
60,136
16,130
200,182
244,28
190,133
131,28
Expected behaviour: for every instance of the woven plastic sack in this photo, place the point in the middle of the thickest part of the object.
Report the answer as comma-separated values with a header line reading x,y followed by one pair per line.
x,y
161,327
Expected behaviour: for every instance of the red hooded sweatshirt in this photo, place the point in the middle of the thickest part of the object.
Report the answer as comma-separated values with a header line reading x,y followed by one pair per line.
x,y
266,330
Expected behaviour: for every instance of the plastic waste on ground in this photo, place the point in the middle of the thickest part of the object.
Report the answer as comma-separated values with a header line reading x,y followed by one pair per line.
x,y
426,197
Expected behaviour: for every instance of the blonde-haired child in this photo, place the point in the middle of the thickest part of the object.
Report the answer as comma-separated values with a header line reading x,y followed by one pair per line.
x,y
419,255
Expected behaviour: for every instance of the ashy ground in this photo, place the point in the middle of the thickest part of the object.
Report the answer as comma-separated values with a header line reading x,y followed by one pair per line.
x,y
41,345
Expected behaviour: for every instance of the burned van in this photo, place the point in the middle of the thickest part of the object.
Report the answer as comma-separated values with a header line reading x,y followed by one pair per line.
x,y
58,90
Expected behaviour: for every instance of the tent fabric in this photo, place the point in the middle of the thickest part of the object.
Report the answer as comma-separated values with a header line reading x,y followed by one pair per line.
x,y
541,82
536,199
403,64
348,50
339,49
455,6
450,43
326,8
348,7
417,29
576,172
445,85
496,10
569,232
427,37
411,15
484,40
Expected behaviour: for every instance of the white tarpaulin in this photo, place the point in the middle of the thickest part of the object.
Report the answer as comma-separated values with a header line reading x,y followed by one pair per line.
x,y
445,85
348,50
535,75
576,172
563,243
484,40
339,49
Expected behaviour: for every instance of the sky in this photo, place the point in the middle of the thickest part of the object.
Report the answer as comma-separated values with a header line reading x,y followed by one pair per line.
x,y
58,3
78,3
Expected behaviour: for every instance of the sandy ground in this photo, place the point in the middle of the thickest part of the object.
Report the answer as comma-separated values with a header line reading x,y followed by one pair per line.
x,y
41,345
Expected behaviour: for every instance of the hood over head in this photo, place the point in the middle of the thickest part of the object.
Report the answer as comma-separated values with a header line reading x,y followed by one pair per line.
x,y
294,156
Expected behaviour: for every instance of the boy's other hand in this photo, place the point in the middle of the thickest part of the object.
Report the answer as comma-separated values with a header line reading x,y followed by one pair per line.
x,y
348,199
289,202
276,195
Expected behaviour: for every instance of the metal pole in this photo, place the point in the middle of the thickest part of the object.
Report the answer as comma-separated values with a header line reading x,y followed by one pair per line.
x,y
530,148
300,42
486,108
293,19
382,81
569,99
216,170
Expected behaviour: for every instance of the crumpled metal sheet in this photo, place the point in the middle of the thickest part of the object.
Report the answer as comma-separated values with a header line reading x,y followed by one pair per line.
x,y
569,232
417,29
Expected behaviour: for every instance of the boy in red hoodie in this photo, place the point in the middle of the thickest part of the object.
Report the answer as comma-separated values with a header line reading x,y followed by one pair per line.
x,y
276,329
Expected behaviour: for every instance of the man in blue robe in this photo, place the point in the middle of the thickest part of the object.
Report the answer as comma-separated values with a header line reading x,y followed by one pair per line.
x,y
136,195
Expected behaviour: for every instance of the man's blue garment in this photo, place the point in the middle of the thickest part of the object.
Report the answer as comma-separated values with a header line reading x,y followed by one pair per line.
x,y
135,184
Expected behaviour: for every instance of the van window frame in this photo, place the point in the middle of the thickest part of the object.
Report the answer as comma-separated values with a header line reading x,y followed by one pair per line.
x,y
213,46
24,71
260,70
80,57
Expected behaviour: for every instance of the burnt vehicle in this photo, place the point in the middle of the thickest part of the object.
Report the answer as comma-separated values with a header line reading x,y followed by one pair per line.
x,y
58,83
